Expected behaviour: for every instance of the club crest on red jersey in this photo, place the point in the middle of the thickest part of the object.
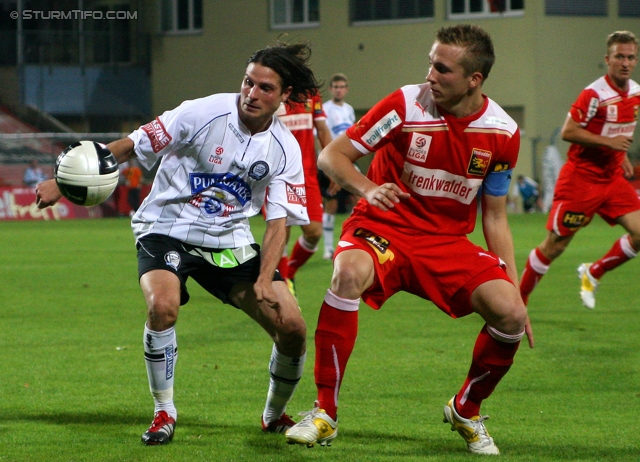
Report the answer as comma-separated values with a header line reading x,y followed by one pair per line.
x,y
479,162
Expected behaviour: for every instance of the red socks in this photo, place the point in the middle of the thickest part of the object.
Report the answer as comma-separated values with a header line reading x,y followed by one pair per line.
x,y
621,252
536,267
492,359
299,256
335,338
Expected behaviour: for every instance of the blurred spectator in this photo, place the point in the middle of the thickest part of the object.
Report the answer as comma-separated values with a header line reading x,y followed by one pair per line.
x,y
33,175
529,192
132,175
551,165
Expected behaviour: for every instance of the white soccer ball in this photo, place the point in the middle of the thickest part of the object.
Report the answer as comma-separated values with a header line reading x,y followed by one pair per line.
x,y
86,173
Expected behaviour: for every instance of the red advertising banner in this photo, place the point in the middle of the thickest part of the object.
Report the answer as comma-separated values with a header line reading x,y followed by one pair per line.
x,y
20,204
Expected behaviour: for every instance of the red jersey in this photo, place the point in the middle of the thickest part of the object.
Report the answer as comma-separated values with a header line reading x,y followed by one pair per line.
x,y
441,160
300,118
604,110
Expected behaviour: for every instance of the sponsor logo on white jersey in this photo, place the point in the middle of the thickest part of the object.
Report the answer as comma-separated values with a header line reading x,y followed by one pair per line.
x,y
381,129
419,147
157,134
439,183
296,194
298,121
612,130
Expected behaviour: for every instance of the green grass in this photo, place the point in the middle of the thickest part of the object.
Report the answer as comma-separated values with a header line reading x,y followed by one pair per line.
x,y
74,385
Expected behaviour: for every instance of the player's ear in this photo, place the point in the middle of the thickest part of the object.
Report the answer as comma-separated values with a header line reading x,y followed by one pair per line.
x,y
476,80
286,93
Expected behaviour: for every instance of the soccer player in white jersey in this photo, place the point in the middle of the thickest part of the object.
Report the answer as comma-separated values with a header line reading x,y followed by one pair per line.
x,y
600,128
220,156
340,116
436,145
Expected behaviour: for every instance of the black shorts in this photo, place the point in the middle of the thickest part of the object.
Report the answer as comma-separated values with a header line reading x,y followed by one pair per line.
x,y
216,270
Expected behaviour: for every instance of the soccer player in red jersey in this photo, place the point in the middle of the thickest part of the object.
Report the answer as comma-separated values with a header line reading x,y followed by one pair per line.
x,y
303,119
600,128
441,147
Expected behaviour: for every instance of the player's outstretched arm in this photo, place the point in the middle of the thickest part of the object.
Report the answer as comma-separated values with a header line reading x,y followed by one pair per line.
x,y
47,193
337,161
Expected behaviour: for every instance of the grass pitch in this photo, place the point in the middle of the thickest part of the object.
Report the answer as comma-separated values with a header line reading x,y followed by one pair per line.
x,y
74,385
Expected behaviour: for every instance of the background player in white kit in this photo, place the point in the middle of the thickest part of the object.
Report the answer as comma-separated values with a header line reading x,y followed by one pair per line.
x,y
220,156
340,116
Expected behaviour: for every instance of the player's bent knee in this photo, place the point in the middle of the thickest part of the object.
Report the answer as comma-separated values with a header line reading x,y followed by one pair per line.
x,y
349,281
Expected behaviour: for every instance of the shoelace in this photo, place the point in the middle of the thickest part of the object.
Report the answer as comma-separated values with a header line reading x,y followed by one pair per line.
x,y
481,430
308,415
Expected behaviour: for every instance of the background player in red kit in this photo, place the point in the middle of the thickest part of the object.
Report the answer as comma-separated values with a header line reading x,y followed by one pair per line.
x,y
436,144
302,119
599,127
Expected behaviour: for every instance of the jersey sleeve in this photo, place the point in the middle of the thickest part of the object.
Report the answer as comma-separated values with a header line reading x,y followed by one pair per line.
x,y
164,134
286,195
378,126
585,107
497,181
317,110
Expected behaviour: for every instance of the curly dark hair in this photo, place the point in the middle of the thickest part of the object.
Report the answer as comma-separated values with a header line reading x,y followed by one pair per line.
x,y
291,63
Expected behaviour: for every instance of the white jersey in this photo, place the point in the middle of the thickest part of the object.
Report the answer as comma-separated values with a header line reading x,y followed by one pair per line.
x,y
214,175
339,117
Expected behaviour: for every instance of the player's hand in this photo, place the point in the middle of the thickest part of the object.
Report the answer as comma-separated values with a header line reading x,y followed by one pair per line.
x,y
529,332
265,293
333,188
620,143
627,168
47,193
386,196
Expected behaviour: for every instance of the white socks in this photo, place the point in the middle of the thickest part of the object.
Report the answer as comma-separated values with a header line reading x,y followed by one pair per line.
x,y
285,374
161,355
328,224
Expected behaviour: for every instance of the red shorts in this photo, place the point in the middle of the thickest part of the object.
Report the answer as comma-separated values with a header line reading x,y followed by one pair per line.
x,y
576,201
314,198
443,269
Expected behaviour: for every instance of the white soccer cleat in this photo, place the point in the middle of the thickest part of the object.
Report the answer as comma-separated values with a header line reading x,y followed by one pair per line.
x,y
315,427
588,286
328,254
472,430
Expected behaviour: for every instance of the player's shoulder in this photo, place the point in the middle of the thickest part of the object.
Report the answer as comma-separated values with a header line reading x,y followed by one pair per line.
x,y
634,89
495,118
601,89
280,131
208,107
328,103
